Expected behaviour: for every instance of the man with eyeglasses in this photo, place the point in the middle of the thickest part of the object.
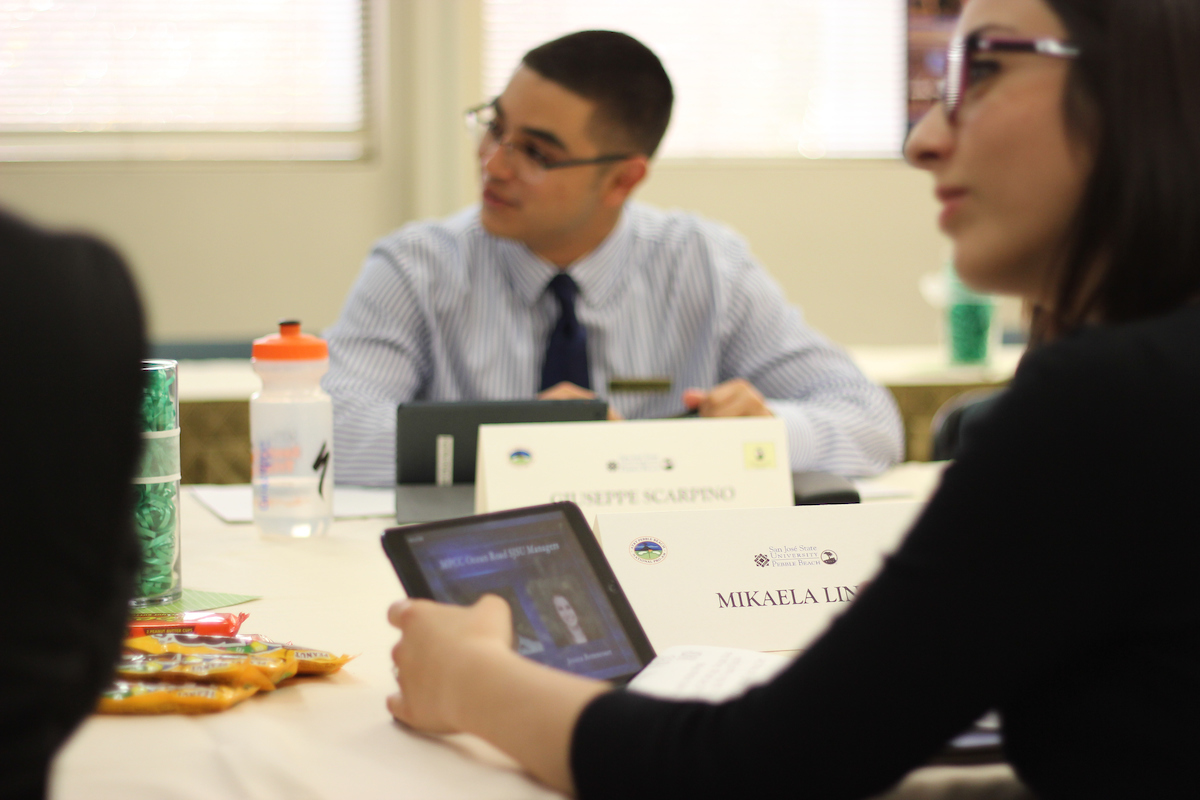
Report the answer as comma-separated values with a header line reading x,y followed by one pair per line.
x,y
558,285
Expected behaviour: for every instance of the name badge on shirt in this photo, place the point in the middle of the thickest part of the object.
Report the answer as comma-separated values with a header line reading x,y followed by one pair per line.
x,y
759,579
635,465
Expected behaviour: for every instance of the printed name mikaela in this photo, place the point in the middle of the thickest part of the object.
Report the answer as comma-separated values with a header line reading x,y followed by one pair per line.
x,y
786,597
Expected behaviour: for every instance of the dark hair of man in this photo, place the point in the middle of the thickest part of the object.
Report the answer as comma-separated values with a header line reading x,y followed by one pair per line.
x,y
73,336
620,75
1133,96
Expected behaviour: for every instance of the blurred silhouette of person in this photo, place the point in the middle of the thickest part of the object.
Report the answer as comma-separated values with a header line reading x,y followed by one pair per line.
x,y
74,339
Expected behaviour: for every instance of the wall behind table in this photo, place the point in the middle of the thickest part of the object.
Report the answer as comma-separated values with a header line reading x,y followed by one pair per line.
x,y
846,239
221,253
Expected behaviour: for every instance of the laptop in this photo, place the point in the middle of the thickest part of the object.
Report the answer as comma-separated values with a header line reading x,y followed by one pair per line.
x,y
436,444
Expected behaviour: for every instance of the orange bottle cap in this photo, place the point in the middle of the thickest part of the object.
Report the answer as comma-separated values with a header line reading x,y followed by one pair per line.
x,y
290,345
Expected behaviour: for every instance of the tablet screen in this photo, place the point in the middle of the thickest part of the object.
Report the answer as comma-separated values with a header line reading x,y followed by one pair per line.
x,y
562,614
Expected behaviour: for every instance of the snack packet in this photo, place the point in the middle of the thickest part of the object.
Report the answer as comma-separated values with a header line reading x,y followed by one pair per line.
x,y
309,661
274,661
192,643
229,670
318,662
199,622
138,697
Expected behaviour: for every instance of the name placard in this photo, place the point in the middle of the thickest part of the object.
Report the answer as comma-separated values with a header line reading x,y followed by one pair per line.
x,y
762,579
635,465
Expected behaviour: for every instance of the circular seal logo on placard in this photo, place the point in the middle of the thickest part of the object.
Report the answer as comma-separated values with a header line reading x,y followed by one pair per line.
x,y
648,550
829,557
520,457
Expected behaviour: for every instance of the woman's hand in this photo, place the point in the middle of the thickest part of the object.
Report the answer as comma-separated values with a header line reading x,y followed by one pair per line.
x,y
439,647
458,672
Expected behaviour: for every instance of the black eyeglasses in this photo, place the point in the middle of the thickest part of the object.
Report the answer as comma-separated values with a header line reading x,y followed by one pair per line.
x,y
961,65
528,159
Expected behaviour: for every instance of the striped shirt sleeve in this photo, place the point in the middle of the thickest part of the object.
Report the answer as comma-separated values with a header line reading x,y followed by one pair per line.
x,y
379,357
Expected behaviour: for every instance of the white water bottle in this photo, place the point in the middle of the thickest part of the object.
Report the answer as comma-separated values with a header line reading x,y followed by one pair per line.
x,y
291,435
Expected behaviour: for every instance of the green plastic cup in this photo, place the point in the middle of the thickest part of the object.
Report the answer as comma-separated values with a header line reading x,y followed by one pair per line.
x,y
969,319
969,328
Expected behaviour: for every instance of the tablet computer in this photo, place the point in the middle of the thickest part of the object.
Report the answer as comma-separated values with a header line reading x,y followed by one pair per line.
x,y
429,431
568,609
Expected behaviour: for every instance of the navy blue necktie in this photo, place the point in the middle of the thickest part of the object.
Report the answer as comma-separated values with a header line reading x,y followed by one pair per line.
x,y
566,353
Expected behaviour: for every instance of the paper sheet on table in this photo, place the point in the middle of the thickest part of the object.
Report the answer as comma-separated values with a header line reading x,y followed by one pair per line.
x,y
873,490
363,501
702,672
234,503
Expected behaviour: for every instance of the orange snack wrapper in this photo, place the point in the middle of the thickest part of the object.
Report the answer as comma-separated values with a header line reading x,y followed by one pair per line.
x,y
192,643
206,623
318,662
274,668
228,670
138,697
309,661
274,661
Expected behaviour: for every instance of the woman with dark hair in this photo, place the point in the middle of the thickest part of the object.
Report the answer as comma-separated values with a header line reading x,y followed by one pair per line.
x,y
1066,156
73,339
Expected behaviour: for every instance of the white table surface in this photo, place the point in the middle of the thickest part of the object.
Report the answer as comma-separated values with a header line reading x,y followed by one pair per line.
x,y
333,737
928,365
217,379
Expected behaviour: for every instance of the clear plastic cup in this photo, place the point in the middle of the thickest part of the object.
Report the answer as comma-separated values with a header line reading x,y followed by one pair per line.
x,y
156,486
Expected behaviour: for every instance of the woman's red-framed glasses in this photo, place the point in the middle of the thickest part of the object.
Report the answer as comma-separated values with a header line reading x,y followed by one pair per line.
x,y
960,61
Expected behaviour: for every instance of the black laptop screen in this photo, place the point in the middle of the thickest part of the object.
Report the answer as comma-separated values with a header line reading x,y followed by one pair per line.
x,y
420,424
561,615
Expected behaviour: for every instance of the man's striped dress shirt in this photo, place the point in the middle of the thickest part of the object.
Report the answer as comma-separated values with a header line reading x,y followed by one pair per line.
x,y
445,311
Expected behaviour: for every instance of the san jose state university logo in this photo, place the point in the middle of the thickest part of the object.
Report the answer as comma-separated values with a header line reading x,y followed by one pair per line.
x,y
648,550
795,556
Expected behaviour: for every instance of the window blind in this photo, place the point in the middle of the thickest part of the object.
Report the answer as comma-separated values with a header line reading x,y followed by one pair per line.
x,y
753,78
181,66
